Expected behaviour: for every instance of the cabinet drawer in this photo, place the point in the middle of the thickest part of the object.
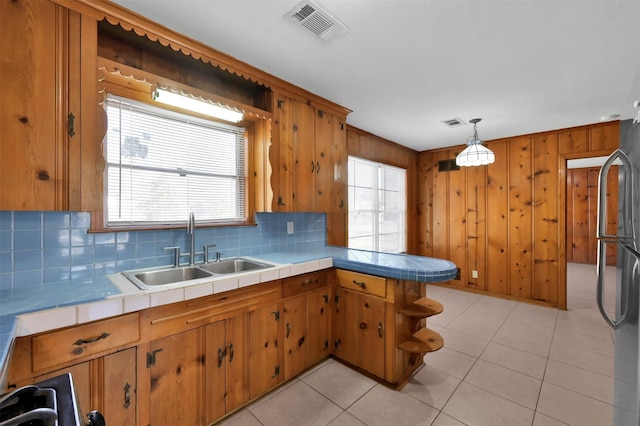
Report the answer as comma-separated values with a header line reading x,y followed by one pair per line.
x,y
81,342
362,282
302,283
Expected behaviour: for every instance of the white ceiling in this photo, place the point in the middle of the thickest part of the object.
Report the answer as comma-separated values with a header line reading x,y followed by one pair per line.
x,y
523,66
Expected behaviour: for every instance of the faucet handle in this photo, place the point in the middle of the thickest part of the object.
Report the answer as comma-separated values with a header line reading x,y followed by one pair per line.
x,y
206,252
218,256
176,255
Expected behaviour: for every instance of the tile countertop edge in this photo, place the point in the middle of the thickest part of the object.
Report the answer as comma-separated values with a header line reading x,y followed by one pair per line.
x,y
408,267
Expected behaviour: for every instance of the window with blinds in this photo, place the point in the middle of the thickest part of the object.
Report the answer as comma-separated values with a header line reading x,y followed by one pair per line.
x,y
377,206
162,165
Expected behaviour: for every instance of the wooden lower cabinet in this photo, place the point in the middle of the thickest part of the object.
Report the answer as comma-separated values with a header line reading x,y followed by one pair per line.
x,y
359,330
265,357
307,326
176,365
226,368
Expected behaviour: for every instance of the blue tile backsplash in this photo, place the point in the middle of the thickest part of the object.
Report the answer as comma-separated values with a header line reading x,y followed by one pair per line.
x,y
37,248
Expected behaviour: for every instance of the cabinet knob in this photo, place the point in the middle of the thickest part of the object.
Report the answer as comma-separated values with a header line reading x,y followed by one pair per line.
x,y
363,325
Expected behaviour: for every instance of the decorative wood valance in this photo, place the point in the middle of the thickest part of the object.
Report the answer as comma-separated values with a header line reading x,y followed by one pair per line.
x,y
145,82
115,14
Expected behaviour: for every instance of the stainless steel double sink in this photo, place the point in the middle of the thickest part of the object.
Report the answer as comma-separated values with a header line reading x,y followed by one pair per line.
x,y
150,278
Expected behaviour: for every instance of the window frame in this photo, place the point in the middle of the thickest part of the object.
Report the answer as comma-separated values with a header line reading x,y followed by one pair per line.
x,y
377,211
255,122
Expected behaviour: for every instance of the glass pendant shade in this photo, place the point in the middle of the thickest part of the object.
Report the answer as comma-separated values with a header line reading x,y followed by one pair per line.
x,y
475,154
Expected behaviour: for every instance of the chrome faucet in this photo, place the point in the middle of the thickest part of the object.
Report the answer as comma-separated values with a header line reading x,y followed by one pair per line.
x,y
191,232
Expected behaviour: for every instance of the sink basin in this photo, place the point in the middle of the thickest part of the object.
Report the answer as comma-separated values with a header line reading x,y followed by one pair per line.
x,y
234,265
151,278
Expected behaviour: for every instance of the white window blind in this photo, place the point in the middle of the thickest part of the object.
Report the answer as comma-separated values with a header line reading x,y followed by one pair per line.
x,y
377,206
162,165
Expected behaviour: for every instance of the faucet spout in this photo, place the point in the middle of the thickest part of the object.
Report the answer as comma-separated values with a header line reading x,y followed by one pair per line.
x,y
191,232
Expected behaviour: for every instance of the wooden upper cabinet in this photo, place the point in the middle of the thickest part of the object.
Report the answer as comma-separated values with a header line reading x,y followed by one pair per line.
x,y
309,158
41,74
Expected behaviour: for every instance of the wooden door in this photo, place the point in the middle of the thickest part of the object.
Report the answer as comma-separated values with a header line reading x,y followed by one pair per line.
x,y
371,327
305,164
318,325
345,323
33,87
118,394
264,361
176,380
295,336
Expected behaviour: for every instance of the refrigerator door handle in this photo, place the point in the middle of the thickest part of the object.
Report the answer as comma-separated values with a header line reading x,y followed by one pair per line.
x,y
601,263
627,234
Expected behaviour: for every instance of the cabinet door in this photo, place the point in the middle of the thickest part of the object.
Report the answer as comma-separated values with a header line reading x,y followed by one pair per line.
x,y
305,164
119,388
371,339
81,375
237,360
295,336
318,325
264,358
345,323
32,114
176,380
215,380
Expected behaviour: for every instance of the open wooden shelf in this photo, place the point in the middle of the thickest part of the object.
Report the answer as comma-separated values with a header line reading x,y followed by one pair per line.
x,y
422,308
425,340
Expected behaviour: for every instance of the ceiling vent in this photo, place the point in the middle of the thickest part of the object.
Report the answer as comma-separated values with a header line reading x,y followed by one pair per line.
x,y
454,122
318,21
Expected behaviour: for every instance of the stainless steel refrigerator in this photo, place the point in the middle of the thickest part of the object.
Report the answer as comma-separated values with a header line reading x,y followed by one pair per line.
x,y
626,242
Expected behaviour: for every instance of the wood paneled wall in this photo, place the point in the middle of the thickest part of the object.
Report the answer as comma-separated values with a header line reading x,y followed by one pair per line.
x,y
582,212
371,147
503,225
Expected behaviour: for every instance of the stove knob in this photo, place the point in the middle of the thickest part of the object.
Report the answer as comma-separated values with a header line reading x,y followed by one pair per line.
x,y
95,419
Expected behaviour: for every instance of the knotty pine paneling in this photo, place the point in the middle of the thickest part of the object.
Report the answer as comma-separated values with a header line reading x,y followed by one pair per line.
x,y
546,227
582,208
498,220
514,211
520,217
476,227
458,219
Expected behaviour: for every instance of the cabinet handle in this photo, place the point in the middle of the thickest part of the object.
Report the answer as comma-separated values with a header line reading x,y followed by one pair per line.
x,y
230,352
276,372
317,167
221,354
326,298
72,119
127,395
276,315
81,342
288,330
380,330
360,284
312,167
280,202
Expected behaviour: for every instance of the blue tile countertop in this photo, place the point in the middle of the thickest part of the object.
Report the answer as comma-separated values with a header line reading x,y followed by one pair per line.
x,y
29,299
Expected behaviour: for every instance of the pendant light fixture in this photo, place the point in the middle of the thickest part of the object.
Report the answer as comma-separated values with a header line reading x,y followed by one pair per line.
x,y
475,154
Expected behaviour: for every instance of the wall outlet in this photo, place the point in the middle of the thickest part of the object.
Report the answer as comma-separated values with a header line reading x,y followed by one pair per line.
x,y
289,227
474,274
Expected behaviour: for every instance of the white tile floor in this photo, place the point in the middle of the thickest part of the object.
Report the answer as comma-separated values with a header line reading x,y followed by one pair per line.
x,y
503,363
